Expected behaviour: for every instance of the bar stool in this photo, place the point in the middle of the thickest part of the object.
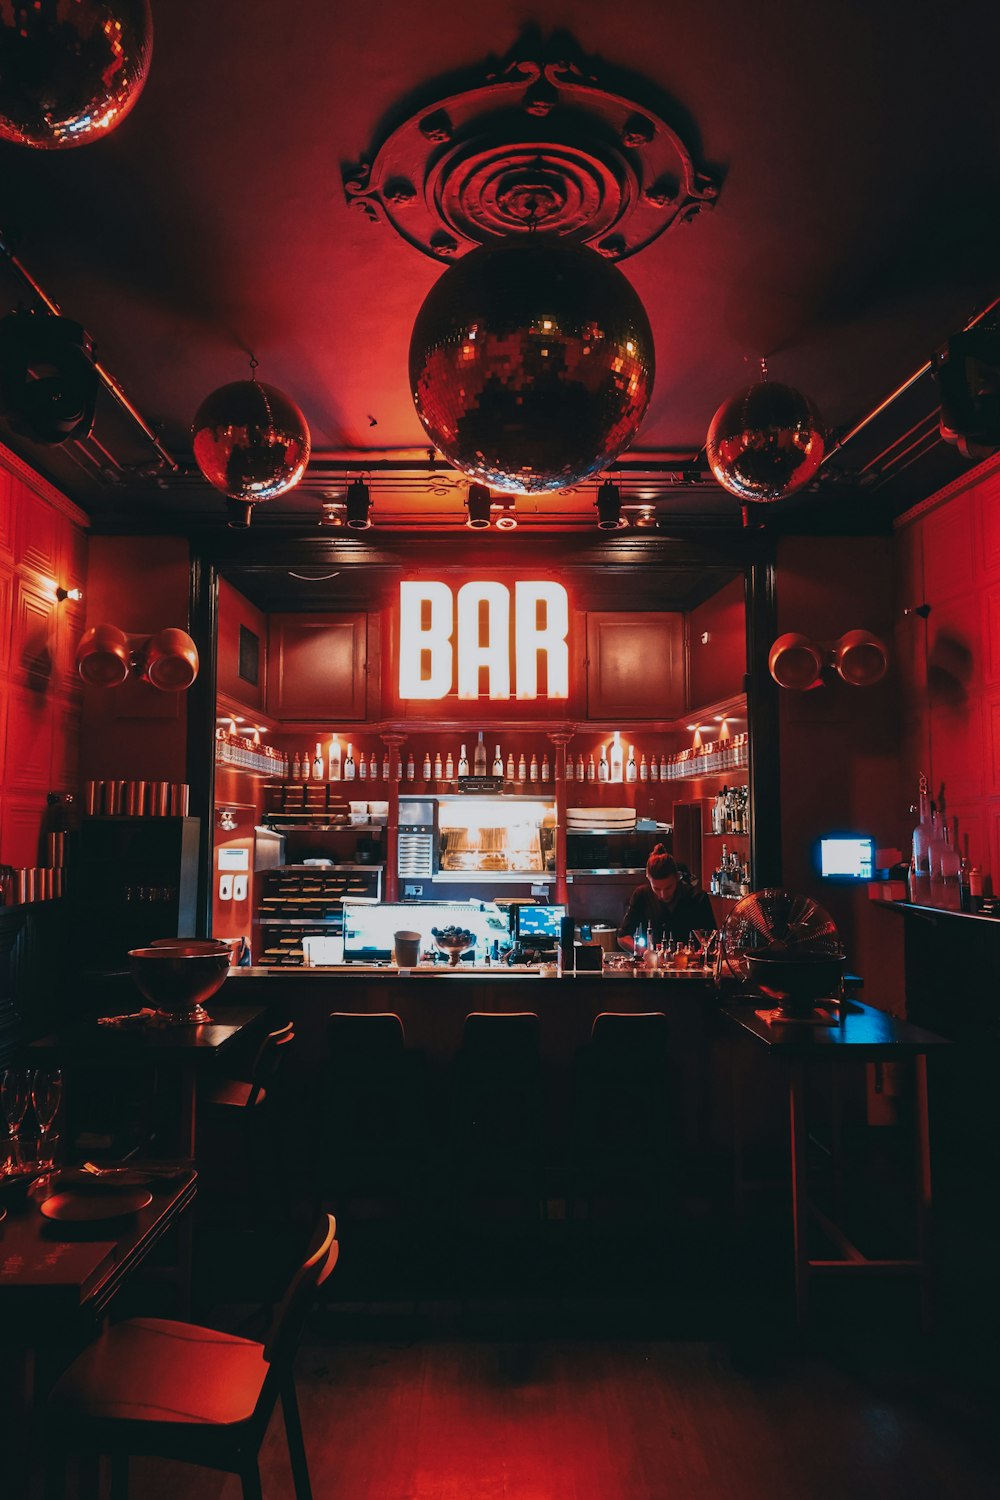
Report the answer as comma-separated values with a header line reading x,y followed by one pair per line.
x,y
371,1117
178,1391
497,1110
258,1107
621,1132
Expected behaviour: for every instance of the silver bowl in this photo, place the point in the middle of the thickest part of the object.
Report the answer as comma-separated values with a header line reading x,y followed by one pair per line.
x,y
178,976
455,945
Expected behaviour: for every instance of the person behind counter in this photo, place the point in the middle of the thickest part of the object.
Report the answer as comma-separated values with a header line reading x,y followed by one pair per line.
x,y
666,904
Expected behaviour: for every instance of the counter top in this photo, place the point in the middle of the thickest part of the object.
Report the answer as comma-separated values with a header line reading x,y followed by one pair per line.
x,y
463,971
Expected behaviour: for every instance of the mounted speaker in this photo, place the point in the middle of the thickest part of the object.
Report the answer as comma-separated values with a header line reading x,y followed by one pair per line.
x,y
48,384
968,376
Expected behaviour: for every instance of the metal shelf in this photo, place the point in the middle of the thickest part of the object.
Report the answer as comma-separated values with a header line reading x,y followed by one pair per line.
x,y
298,921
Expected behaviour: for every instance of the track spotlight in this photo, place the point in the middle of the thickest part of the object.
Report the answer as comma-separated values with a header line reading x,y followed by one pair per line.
x,y
507,517
609,507
358,502
478,507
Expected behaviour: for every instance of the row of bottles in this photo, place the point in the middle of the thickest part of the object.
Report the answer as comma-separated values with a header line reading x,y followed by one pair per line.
x,y
938,874
731,810
249,755
731,876
730,754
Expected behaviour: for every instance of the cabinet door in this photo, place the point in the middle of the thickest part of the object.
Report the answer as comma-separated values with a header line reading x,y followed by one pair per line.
x,y
635,665
318,667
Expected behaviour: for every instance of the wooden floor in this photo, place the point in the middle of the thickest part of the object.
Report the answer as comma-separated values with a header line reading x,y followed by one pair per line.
x,y
496,1419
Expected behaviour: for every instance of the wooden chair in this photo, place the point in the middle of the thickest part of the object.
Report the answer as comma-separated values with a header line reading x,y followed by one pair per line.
x,y
177,1391
238,1093
261,1109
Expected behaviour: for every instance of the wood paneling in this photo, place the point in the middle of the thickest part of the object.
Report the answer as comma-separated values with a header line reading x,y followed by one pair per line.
x,y
7,514
236,612
318,667
635,666
33,639
37,535
716,666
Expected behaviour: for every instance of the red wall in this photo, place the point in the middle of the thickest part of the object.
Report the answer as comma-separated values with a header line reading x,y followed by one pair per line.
x,y
43,545
839,746
949,558
716,666
140,584
234,611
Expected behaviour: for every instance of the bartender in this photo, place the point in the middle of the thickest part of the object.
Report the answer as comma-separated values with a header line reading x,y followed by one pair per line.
x,y
667,905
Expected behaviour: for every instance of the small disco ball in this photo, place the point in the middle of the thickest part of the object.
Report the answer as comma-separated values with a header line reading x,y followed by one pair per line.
x,y
251,442
531,364
70,70
765,442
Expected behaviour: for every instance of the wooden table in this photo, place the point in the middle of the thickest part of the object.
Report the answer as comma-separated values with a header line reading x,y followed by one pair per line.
x,y
181,1049
866,1034
56,1282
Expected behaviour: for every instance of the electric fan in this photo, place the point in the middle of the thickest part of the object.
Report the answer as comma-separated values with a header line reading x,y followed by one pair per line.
x,y
784,945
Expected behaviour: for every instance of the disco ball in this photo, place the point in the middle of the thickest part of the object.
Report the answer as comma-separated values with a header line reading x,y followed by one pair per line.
x,y
70,70
252,442
531,364
765,442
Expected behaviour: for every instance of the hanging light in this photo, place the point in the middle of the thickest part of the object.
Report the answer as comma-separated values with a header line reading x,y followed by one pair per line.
x,y
507,518
251,442
609,507
358,503
70,70
48,383
765,442
531,364
477,505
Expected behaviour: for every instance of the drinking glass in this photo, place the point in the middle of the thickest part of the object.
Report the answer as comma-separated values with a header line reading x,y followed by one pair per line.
x,y
701,936
46,1092
14,1092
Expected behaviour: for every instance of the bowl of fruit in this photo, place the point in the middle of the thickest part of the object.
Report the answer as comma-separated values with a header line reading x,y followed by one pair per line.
x,y
454,941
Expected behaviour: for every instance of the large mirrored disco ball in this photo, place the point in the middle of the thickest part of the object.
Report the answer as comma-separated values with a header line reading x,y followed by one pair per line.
x,y
765,442
531,364
70,70
251,442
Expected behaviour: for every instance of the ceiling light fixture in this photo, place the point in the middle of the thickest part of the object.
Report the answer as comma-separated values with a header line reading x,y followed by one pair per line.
x,y
477,504
609,507
506,519
358,503
251,442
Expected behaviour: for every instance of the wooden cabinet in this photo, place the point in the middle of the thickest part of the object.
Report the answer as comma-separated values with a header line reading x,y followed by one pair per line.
x,y
318,667
635,666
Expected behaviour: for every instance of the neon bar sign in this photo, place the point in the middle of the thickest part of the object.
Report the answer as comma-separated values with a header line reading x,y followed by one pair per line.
x,y
438,629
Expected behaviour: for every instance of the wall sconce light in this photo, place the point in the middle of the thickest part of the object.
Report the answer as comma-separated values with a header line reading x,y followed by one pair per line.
x,y
168,660
507,518
859,658
477,504
75,594
609,507
358,502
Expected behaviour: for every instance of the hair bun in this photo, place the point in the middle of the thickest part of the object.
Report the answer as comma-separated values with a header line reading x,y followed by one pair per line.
x,y
660,849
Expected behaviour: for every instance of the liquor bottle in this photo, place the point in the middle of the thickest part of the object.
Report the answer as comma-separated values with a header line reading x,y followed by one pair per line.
x,y
463,762
643,769
591,768
664,773
449,767
333,760
510,765
425,769
922,835
296,767
630,770
603,772
479,757
399,766
935,854
306,766
654,768
545,767
372,767
581,769
951,895
617,762
349,767
386,764
570,767
533,769
362,766
522,768
438,767
497,762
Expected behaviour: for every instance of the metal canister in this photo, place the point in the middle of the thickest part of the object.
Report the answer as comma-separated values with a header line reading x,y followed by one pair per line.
x,y
92,797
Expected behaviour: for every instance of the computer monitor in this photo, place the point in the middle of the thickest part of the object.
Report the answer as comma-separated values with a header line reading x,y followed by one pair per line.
x,y
846,856
538,926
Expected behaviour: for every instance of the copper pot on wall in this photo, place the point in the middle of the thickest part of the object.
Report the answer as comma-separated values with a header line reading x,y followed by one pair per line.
x,y
795,662
170,660
860,658
104,657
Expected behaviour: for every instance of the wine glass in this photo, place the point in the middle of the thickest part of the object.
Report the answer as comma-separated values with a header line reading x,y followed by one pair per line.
x,y
14,1099
46,1092
702,935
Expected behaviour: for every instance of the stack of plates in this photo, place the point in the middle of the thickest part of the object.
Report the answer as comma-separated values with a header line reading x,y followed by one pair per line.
x,y
607,819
